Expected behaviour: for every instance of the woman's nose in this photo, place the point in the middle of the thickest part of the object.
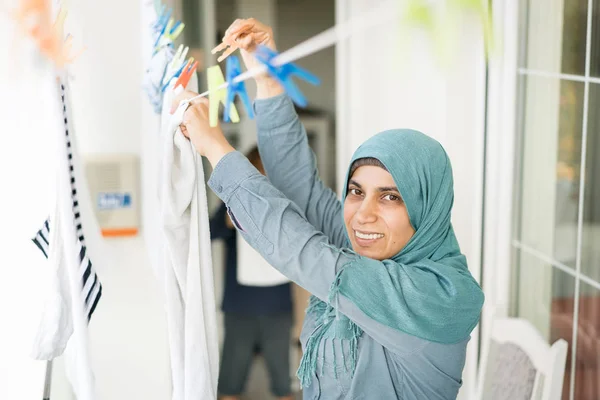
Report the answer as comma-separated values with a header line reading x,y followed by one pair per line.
x,y
367,213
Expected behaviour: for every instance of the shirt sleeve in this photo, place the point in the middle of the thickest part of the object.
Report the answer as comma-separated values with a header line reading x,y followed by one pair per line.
x,y
291,166
218,227
387,302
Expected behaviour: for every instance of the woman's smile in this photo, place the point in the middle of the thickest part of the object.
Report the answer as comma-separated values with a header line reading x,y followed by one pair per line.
x,y
365,239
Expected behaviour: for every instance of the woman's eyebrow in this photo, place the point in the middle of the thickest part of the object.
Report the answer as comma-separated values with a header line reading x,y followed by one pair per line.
x,y
388,189
353,182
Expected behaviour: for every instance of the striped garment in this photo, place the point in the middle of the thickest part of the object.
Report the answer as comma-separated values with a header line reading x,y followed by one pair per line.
x,y
92,288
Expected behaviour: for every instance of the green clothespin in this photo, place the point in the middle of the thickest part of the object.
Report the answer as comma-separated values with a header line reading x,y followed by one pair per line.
x,y
173,30
169,34
215,79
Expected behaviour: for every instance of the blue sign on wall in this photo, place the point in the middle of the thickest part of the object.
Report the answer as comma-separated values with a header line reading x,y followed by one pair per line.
x,y
114,200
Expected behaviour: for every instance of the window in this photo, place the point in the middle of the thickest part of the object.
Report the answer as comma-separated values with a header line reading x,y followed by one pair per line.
x,y
556,243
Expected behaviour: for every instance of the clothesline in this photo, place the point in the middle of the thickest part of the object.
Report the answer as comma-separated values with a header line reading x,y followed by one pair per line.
x,y
318,42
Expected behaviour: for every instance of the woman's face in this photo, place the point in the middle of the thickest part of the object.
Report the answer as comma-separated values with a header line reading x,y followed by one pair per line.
x,y
375,215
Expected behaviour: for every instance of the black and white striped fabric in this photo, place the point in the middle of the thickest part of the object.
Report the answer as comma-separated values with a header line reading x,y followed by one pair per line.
x,y
91,286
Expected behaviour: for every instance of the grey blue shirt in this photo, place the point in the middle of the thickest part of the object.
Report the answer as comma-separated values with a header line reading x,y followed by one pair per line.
x,y
296,223
241,299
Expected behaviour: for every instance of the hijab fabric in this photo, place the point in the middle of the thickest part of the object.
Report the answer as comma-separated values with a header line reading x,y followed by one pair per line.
x,y
426,290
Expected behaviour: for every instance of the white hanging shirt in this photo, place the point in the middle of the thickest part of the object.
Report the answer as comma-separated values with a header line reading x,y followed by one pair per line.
x,y
253,269
187,264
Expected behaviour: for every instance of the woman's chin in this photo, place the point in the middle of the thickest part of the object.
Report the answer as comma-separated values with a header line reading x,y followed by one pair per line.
x,y
367,252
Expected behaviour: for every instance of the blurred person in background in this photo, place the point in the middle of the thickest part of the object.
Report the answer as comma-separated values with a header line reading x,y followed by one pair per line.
x,y
256,318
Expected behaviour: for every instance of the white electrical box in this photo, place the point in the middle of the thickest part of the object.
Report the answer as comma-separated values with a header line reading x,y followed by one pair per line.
x,y
113,181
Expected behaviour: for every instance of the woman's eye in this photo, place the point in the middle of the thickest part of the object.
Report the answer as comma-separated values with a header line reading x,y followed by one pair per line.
x,y
392,197
355,192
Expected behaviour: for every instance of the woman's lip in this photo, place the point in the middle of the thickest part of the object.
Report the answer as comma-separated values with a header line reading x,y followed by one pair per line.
x,y
364,242
367,233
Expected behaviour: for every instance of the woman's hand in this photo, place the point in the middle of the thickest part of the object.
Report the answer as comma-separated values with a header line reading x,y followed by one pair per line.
x,y
208,141
246,35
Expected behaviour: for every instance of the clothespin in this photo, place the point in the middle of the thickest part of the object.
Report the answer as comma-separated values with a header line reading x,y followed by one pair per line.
x,y
161,25
215,79
234,68
186,74
169,34
163,19
68,47
283,74
176,64
176,74
158,24
180,55
173,29
59,23
34,18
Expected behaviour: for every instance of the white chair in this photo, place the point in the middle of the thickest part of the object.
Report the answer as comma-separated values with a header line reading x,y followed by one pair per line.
x,y
518,364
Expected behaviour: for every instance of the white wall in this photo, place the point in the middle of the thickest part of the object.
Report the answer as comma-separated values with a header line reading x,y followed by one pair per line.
x,y
389,78
23,188
128,336
128,342
298,21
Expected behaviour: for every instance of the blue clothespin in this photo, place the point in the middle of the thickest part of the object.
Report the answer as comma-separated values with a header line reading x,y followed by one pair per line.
x,y
164,19
234,68
157,25
162,25
160,11
283,74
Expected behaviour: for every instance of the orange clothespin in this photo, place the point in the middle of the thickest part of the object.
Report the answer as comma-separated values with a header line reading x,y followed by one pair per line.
x,y
34,18
187,73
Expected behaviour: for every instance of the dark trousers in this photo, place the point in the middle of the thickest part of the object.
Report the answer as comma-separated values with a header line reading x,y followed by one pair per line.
x,y
243,335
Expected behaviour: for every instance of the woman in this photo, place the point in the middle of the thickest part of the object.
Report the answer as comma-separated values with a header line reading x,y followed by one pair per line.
x,y
393,301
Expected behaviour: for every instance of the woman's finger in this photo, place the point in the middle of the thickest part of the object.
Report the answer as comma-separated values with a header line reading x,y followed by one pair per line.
x,y
203,109
236,29
237,26
185,95
200,109
244,34
247,43
191,120
184,130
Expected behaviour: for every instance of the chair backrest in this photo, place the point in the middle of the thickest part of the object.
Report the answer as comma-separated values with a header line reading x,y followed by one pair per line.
x,y
518,364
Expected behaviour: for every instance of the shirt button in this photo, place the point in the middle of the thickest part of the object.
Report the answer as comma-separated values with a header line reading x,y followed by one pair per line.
x,y
219,188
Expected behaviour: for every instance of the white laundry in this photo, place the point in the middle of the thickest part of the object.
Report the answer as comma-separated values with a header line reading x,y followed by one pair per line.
x,y
55,327
65,262
187,264
253,269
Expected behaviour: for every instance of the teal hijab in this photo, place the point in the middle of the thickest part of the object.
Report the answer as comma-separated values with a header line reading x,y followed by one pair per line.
x,y
426,290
